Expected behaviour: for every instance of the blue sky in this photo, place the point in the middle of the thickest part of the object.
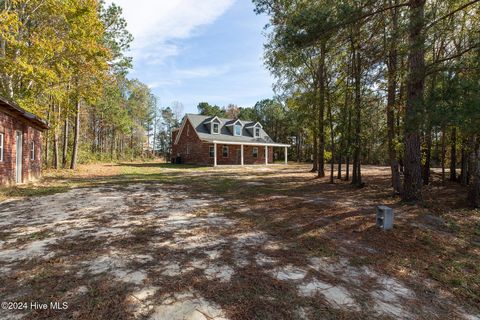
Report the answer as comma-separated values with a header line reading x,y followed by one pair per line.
x,y
192,51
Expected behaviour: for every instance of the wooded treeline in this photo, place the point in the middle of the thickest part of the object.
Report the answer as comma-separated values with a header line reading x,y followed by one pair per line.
x,y
393,80
65,61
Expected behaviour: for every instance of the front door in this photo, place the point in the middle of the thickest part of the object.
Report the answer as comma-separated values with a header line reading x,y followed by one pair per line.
x,y
19,156
239,156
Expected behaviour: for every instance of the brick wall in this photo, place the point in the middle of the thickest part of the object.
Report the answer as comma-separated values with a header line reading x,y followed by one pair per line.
x,y
9,125
194,151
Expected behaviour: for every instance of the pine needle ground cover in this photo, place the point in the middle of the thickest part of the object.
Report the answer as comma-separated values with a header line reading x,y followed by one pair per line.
x,y
156,241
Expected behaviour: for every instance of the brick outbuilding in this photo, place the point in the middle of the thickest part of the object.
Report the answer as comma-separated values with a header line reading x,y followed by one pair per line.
x,y
206,140
20,144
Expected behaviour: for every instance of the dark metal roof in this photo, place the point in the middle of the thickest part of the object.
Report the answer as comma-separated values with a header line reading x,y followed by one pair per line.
x,y
17,110
199,122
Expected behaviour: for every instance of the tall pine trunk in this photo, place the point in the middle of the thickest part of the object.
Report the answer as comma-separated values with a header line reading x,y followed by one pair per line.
x,y
315,151
415,87
444,151
428,155
321,111
427,151
299,146
391,100
55,149
332,137
464,164
453,155
339,167
347,168
357,175
65,141
76,137
47,140
474,190
113,144
349,145
56,155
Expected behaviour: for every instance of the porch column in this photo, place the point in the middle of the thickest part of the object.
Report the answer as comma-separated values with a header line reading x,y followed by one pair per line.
x,y
286,156
266,155
241,154
214,154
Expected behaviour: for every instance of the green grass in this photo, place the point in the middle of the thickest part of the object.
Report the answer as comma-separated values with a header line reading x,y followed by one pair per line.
x,y
127,173
31,191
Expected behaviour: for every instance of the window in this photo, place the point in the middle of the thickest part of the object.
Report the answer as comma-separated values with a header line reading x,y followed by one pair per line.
x,y
32,150
188,149
225,151
1,147
212,152
238,130
215,128
255,152
188,130
257,132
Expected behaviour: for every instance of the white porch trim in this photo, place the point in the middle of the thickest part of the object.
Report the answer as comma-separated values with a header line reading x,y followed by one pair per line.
x,y
242,151
241,155
250,143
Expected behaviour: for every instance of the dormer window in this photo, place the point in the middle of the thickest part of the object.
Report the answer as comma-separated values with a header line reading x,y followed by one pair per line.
x,y
254,129
215,128
238,130
214,125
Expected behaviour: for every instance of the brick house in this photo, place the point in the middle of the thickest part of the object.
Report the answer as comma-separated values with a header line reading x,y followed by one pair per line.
x,y
206,140
20,144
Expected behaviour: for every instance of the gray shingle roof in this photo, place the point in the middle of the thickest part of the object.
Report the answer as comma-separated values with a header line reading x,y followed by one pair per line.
x,y
203,131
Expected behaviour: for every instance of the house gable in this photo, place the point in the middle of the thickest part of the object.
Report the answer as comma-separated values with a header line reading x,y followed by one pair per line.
x,y
186,125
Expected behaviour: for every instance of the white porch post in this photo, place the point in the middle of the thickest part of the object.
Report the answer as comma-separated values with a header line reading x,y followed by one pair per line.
x,y
286,156
266,155
214,154
241,154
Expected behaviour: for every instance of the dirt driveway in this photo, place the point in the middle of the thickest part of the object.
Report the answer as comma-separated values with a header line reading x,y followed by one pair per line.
x,y
170,249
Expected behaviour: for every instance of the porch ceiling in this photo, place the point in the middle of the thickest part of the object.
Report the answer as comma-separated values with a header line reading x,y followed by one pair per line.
x,y
250,143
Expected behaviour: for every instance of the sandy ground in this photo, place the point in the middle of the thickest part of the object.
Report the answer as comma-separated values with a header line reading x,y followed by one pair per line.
x,y
165,251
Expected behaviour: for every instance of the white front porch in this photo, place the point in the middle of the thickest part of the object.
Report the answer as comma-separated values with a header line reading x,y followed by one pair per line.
x,y
263,148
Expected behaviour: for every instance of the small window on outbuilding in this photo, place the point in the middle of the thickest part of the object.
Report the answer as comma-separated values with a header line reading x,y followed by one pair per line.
x,y
255,152
32,150
1,146
257,132
215,128
225,151
188,149
212,152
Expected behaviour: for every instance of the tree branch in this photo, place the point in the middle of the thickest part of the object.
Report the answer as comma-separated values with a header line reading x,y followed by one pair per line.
x,y
459,54
466,5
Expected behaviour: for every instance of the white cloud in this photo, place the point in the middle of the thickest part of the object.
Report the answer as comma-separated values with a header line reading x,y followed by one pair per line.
x,y
163,83
155,23
201,72
177,76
